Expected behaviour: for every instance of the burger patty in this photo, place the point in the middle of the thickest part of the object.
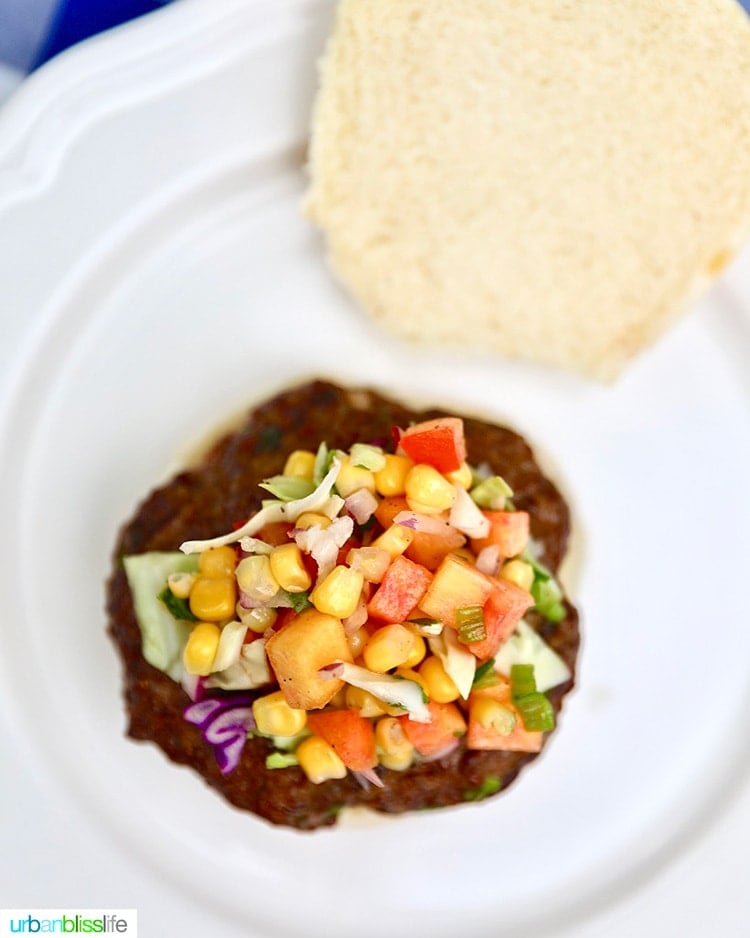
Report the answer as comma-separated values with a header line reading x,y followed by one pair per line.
x,y
221,491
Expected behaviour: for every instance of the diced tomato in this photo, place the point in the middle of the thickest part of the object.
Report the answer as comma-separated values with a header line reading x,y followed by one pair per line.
x,y
426,548
504,609
401,589
275,533
441,735
508,529
518,740
439,443
351,736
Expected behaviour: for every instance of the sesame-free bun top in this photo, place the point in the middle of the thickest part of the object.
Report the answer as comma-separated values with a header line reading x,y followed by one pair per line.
x,y
546,179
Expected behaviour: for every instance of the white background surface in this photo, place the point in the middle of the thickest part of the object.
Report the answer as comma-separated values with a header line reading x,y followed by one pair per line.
x,y
68,197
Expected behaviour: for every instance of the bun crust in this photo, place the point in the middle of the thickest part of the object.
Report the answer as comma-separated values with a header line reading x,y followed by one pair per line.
x,y
548,180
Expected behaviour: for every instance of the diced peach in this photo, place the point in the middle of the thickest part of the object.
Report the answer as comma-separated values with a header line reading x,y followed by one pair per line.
x,y
456,584
441,734
504,609
482,737
296,653
508,529
401,589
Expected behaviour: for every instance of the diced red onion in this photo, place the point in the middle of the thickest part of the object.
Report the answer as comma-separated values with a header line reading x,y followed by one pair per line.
x,y
193,686
466,516
357,619
228,755
367,777
361,505
335,669
428,524
323,544
279,600
488,559
224,725
203,712
445,751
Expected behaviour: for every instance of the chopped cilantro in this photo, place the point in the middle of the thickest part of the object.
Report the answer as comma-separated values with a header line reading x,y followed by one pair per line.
x,y
299,601
179,608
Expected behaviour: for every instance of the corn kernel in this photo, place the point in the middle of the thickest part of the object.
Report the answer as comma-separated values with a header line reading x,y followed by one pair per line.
x,y
395,540
394,749
391,479
338,701
462,476
438,683
428,491
351,478
518,572
289,569
492,715
388,647
256,579
365,703
217,562
300,463
308,519
257,620
357,641
180,584
274,716
213,599
338,594
372,562
201,648
318,760
418,651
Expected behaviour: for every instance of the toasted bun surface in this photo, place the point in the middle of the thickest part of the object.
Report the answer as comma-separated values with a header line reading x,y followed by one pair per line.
x,y
551,180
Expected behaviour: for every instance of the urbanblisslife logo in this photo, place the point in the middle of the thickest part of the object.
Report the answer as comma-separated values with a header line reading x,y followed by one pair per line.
x,y
69,922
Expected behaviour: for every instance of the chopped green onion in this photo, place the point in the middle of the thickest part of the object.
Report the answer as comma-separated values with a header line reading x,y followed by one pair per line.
x,y
486,675
470,624
522,680
548,599
548,596
534,707
540,571
491,493
536,712
179,608
281,760
490,786
288,488
367,456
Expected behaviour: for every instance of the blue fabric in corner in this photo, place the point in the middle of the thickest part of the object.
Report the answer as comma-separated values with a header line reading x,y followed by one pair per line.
x,y
75,20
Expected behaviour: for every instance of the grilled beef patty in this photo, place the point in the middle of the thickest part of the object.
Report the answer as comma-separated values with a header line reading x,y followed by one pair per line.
x,y
222,490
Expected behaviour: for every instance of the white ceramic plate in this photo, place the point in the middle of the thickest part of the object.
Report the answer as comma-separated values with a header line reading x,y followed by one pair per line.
x,y
161,279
